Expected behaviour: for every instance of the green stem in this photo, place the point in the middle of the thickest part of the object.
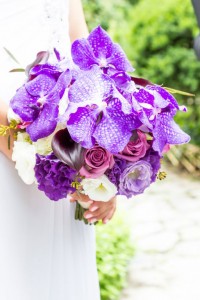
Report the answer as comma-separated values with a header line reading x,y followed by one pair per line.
x,y
77,211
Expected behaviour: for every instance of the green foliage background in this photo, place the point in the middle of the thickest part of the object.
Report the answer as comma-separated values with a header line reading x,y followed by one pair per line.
x,y
114,250
158,39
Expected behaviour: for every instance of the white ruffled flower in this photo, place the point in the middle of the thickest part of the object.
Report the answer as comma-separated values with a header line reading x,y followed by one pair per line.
x,y
43,146
23,137
99,189
13,116
24,154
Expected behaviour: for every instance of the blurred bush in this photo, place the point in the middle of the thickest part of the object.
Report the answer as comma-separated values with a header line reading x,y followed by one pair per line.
x,y
114,250
158,39
105,13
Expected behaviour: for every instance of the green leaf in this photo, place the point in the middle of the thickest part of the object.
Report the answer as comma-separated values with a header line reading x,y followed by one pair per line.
x,y
11,55
17,70
173,91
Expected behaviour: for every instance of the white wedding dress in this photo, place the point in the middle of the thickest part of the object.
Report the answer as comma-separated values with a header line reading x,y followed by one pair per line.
x,y
44,253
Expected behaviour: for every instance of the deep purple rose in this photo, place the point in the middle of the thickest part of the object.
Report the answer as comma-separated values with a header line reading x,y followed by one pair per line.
x,y
54,177
135,178
115,173
154,159
97,160
135,149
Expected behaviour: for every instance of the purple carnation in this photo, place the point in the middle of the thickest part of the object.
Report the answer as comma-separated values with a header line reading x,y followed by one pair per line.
x,y
135,178
114,173
54,177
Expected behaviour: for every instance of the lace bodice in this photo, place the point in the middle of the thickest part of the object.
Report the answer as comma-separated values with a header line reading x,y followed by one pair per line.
x,y
30,25
55,19
27,27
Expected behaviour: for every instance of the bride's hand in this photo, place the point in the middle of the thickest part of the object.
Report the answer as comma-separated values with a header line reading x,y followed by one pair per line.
x,y
100,210
4,139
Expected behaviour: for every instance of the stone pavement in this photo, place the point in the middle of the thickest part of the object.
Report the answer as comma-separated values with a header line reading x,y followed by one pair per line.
x,y
166,231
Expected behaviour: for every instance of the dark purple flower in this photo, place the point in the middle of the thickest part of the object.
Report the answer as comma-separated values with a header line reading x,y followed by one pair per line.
x,y
98,49
154,159
54,177
115,173
135,178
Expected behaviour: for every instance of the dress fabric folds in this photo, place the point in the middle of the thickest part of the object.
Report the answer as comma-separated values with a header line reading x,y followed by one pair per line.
x,y
44,253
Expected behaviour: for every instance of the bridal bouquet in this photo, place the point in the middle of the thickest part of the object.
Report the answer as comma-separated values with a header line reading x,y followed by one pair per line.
x,y
85,124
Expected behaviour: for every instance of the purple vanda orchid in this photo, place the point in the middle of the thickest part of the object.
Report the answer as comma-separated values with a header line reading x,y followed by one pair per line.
x,y
98,113
98,49
37,100
156,109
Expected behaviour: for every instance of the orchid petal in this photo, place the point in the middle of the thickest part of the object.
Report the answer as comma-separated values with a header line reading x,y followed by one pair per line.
x,y
119,60
41,85
164,94
81,125
92,86
25,105
115,128
46,121
62,83
167,132
82,54
46,69
101,43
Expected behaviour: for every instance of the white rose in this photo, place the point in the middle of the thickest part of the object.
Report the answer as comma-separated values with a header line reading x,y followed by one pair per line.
x,y
99,189
24,154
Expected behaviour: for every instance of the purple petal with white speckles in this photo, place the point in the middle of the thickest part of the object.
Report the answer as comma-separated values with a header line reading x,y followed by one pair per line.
x,y
82,54
41,85
81,125
46,122
100,42
164,94
115,128
167,132
46,69
25,105
126,107
62,83
142,96
119,60
91,87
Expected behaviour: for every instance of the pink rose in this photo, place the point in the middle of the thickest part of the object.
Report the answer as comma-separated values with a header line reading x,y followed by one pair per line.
x,y
135,149
97,160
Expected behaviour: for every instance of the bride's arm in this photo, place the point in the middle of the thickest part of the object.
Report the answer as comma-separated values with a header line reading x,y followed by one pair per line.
x,y
4,139
77,24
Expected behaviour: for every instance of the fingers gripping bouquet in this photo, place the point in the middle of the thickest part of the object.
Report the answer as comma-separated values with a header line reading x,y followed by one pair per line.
x,y
85,124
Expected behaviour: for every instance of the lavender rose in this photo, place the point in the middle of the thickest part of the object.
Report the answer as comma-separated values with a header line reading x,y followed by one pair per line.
x,y
54,177
135,178
135,149
97,160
